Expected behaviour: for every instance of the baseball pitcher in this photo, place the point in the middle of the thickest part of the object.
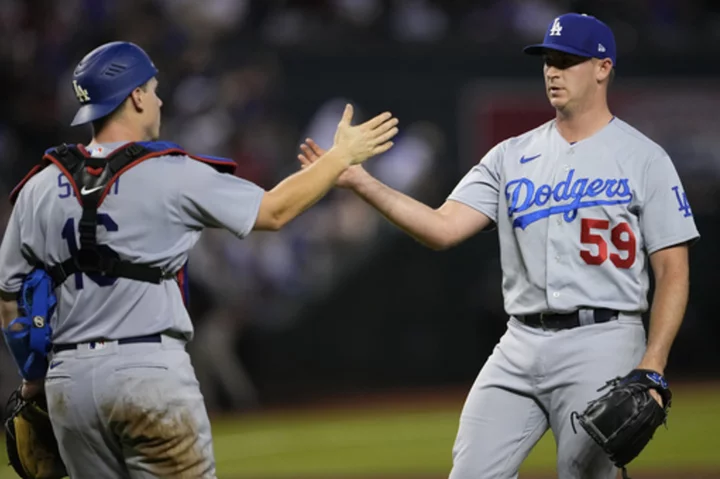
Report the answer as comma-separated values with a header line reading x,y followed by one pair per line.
x,y
110,223
584,206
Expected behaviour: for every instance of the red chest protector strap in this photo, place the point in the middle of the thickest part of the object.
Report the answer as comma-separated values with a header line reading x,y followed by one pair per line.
x,y
92,178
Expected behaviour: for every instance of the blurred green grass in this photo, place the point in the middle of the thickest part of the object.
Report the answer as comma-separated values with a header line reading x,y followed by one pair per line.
x,y
420,442
417,440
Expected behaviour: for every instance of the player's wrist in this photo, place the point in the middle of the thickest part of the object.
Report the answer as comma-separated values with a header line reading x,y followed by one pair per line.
x,y
339,154
360,180
653,363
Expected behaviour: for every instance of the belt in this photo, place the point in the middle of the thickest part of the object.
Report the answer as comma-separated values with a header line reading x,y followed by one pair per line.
x,y
150,338
568,320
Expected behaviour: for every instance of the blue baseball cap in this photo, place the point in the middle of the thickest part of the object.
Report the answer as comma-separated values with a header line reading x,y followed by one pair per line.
x,y
578,34
106,76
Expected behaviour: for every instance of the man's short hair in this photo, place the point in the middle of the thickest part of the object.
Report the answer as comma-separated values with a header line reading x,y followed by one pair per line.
x,y
99,124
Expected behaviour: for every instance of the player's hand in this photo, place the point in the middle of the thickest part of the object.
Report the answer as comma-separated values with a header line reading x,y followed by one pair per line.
x,y
366,140
311,151
30,389
653,366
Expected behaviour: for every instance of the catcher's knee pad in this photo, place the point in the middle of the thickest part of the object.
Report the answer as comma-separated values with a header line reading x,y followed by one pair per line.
x,y
31,445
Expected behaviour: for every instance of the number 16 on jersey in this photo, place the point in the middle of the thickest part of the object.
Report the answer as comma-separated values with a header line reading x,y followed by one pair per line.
x,y
68,234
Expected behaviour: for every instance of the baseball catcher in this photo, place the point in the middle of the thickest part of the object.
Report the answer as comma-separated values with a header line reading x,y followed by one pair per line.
x,y
624,419
120,377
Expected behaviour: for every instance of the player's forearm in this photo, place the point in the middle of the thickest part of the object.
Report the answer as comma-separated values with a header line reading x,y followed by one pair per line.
x,y
8,311
418,220
672,286
298,192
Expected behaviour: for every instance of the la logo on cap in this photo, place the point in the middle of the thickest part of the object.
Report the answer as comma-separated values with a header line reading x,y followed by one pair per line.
x,y
81,93
556,28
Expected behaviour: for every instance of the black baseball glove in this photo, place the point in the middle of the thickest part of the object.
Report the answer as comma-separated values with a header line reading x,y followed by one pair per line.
x,y
31,445
624,419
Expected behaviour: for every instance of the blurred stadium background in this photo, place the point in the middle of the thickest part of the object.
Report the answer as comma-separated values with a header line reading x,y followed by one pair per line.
x,y
339,347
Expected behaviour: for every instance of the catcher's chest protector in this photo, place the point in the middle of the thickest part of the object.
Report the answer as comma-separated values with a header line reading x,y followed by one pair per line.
x,y
92,178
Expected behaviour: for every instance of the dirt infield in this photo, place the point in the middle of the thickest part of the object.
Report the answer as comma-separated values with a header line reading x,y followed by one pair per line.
x,y
410,399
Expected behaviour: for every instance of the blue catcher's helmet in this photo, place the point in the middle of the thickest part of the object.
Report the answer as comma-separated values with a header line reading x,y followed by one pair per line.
x,y
106,77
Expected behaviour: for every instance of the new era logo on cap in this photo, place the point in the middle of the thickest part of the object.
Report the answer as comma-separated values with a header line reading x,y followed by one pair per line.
x,y
577,34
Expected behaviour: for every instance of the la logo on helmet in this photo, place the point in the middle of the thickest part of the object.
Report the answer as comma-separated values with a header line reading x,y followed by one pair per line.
x,y
81,93
556,28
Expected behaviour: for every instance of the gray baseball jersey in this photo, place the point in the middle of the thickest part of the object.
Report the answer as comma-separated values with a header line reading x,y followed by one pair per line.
x,y
154,214
576,224
575,220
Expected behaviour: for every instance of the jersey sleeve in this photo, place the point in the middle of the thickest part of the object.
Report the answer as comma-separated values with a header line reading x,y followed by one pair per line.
x,y
209,199
666,217
480,188
14,265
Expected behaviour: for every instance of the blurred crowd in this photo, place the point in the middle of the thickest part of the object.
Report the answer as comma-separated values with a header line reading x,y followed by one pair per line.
x,y
218,100
223,93
223,87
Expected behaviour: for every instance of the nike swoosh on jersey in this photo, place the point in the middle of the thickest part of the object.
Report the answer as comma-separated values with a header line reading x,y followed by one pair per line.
x,y
55,364
524,159
85,191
